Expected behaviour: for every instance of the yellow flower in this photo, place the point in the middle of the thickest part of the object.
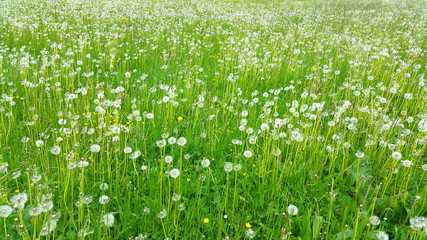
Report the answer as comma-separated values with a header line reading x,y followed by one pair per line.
x,y
206,220
248,225
124,18
180,118
188,179
314,69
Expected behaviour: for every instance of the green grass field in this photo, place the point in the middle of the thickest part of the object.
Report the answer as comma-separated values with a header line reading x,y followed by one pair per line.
x,y
185,119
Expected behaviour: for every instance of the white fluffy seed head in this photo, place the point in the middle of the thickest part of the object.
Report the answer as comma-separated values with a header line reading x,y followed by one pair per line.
x,y
396,155
292,210
174,173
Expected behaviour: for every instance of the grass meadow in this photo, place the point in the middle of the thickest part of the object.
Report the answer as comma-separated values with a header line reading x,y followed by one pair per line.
x,y
222,119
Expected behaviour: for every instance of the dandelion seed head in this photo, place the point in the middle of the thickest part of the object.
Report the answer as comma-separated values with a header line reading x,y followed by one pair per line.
x,y
292,210
228,167
107,220
396,155
247,154
162,214
5,211
55,150
168,159
374,220
174,173
206,162
103,199
95,148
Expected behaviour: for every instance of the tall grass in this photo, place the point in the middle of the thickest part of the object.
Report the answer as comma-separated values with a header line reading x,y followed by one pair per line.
x,y
213,119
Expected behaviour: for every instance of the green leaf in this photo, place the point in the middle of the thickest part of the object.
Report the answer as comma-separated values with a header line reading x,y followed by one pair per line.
x,y
344,234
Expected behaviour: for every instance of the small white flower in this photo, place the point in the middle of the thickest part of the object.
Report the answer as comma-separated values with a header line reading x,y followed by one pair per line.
x,y
3,167
172,140
82,164
149,116
36,177
292,210
206,162
396,155
375,220
48,227
100,110
95,148
71,165
181,207
176,197
103,186
174,173
168,159
161,143
19,200
360,154
16,174
87,199
228,167
165,135
237,167
247,153
407,163
108,220
46,206
5,211
35,211
382,235
127,150
146,211
418,223
181,141
250,233
135,155
162,214
276,152
103,199
144,168
422,125
55,150
264,127
39,143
